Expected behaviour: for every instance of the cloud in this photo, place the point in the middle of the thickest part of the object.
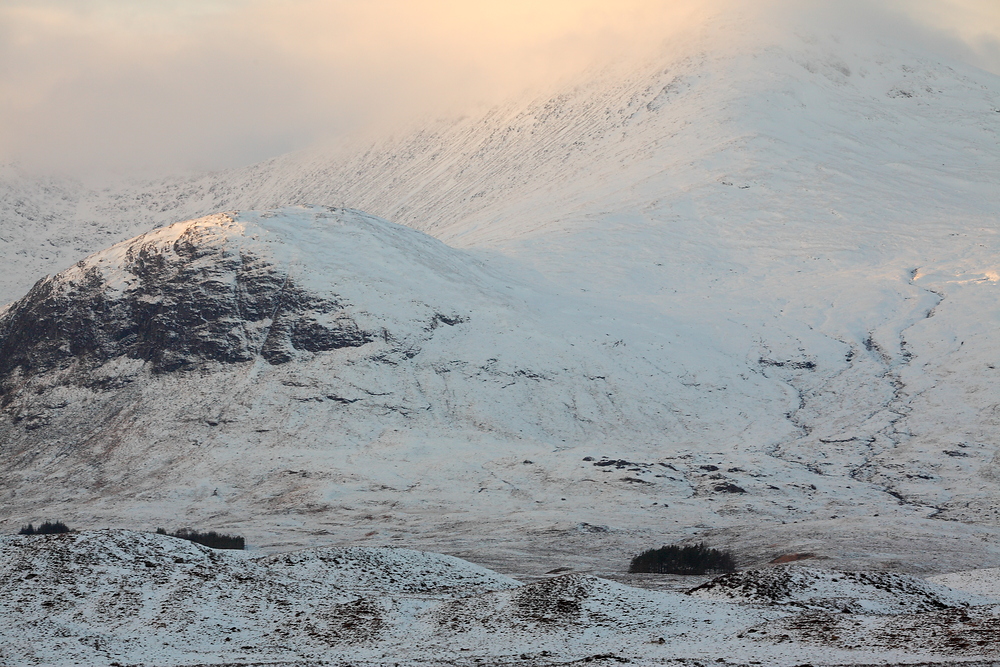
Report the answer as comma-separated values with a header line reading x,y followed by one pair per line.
x,y
119,84
966,30
973,23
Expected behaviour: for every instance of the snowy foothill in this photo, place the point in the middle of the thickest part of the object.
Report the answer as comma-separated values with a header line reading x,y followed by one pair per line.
x,y
119,596
877,593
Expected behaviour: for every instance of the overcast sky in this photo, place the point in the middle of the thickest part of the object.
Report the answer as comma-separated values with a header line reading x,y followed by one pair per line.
x,y
191,84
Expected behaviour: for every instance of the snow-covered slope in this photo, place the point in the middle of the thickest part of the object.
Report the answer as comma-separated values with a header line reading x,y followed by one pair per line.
x,y
853,592
310,371
108,596
982,582
760,272
328,365
115,596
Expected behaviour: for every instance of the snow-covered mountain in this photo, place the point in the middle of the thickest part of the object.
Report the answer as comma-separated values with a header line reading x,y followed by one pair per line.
x,y
755,280
325,364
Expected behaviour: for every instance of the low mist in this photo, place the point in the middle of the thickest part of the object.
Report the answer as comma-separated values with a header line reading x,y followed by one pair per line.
x,y
123,87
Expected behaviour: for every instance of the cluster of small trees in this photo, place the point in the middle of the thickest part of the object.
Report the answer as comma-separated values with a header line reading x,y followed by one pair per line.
x,y
690,559
210,539
46,528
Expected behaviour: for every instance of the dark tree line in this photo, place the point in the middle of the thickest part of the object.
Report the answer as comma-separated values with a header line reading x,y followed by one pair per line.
x,y
46,528
210,539
691,559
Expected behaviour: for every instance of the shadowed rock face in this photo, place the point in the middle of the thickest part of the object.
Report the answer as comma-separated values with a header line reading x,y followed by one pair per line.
x,y
172,305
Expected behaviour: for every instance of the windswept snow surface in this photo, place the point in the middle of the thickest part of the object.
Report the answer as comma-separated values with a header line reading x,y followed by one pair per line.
x,y
983,582
856,592
124,597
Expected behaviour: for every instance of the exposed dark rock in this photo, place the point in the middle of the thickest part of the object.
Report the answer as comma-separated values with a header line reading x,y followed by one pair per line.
x,y
729,487
617,463
173,305
450,320
798,365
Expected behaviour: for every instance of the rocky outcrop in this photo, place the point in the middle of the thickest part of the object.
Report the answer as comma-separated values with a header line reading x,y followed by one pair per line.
x,y
174,301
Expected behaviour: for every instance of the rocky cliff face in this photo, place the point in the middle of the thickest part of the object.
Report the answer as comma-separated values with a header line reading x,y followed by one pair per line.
x,y
172,298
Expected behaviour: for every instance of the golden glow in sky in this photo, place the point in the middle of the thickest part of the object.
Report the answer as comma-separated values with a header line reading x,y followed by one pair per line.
x,y
211,83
